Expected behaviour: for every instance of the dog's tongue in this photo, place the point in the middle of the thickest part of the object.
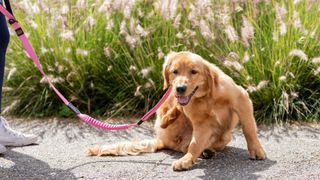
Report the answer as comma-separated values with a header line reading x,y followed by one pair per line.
x,y
183,99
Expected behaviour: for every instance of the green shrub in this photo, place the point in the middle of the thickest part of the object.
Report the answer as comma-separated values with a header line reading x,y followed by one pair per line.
x,y
106,56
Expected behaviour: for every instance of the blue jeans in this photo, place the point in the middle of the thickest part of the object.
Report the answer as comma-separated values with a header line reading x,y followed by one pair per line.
x,y
4,41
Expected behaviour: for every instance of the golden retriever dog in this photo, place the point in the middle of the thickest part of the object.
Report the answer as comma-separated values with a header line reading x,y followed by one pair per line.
x,y
203,108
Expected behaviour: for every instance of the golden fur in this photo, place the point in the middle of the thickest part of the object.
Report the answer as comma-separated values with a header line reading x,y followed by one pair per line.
x,y
215,106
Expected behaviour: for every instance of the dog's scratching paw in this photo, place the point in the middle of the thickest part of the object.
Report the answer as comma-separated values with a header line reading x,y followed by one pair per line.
x,y
165,122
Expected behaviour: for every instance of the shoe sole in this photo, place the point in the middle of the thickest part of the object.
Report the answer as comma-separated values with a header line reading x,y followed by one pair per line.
x,y
2,149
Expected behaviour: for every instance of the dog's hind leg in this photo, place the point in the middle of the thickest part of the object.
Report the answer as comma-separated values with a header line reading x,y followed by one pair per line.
x,y
244,109
126,148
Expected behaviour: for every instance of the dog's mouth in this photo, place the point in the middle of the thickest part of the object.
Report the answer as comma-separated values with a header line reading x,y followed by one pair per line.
x,y
184,100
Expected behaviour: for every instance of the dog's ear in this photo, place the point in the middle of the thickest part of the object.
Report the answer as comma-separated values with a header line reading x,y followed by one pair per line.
x,y
212,75
165,69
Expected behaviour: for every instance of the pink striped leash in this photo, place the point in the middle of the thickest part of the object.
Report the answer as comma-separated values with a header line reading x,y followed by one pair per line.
x,y
86,118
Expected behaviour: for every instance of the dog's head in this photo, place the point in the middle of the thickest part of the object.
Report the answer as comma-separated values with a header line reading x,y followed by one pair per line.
x,y
189,75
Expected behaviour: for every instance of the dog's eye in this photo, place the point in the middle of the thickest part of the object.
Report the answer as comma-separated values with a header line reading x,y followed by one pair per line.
x,y
175,72
194,71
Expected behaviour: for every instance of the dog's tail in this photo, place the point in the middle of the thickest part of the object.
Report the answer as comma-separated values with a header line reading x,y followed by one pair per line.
x,y
126,148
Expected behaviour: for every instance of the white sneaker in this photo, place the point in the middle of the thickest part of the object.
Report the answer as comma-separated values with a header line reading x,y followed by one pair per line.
x,y
2,149
10,137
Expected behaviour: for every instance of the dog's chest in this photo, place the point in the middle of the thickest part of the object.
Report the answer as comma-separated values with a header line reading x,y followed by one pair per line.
x,y
196,108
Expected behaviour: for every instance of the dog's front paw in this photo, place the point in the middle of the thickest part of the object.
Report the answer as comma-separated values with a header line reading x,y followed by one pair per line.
x,y
257,152
182,164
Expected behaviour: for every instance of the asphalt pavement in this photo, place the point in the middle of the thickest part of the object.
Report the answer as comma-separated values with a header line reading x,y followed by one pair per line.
x,y
293,153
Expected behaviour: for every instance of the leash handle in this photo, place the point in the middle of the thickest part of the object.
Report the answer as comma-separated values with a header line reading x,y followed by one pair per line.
x,y
86,118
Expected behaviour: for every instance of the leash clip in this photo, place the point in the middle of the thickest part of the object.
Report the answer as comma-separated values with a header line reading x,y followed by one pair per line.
x,y
140,122
73,108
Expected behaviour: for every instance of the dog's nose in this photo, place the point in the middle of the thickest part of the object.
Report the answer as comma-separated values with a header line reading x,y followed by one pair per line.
x,y
181,89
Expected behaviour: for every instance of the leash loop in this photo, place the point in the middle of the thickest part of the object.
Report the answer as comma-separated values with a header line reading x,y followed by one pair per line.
x,y
11,21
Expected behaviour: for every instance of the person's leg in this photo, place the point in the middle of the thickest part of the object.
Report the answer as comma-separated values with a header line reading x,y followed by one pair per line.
x,y
8,136
4,41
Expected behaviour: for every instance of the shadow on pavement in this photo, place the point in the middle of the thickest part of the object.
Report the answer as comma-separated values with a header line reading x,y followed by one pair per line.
x,y
231,163
21,166
299,130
